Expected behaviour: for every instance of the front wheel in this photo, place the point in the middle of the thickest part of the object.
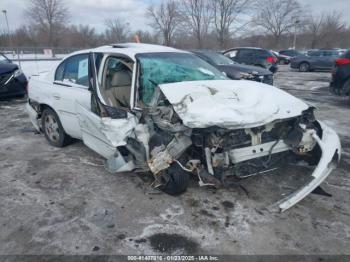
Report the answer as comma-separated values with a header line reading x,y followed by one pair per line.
x,y
304,67
53,129
174,180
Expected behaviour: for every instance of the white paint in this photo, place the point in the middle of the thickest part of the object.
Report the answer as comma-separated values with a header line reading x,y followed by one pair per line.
x,y
230,103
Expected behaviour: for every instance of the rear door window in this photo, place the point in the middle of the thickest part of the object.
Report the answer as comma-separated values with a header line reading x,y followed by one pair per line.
x,y
232,53
314,53
263,54
74,70
245,53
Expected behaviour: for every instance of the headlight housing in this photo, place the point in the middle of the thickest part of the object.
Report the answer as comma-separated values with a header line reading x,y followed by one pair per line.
x,y
17,73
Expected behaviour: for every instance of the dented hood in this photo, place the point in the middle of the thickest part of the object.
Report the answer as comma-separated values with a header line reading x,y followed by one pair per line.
x,y
230,103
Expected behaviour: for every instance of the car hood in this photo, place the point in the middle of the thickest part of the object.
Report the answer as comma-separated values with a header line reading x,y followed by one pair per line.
x,y
230,104
7,68
245,69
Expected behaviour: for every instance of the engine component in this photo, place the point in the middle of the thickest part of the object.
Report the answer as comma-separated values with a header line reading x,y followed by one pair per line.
x,y
162,157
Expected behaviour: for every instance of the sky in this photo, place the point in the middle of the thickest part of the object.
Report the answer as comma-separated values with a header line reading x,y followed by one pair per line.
x,y
95,12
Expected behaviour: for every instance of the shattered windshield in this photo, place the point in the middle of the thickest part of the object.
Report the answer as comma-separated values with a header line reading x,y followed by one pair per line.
x,y
161,68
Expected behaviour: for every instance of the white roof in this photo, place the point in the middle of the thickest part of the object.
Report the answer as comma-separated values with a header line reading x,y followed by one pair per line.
x,y
131,49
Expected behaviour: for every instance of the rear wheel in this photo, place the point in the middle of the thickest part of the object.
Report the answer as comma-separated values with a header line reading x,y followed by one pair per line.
x,y
304,67
175,180
53,129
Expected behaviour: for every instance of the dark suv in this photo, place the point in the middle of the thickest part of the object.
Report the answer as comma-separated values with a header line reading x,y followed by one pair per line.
x,y
253,56
315,60
340,83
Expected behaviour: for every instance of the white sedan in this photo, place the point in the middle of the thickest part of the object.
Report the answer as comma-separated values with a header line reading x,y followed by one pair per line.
x,y
149,108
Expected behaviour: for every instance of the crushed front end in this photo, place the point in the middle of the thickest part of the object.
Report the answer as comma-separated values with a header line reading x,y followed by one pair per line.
x,y
218,155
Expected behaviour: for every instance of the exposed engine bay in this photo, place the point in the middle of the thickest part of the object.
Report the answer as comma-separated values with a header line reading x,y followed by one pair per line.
x,y
216,155
220,152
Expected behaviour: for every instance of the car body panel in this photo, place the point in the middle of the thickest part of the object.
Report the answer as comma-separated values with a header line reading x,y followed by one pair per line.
x,y
230,103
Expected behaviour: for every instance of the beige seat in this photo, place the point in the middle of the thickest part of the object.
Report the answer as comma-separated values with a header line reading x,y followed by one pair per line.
x,y
118,89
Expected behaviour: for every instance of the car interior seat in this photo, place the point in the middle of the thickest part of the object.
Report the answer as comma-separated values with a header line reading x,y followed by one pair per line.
x,y
118,87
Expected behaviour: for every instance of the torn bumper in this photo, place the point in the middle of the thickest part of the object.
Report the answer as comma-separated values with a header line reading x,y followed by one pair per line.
x,y
33,116
331,150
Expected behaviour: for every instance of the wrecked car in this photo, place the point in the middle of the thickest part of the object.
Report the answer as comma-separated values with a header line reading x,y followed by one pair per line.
x,y
148,108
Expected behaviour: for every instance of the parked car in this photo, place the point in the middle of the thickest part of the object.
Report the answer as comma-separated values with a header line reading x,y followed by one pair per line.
x,y
149,108
281,59
234,70
315,60
12,81
291,53
340,83
253,56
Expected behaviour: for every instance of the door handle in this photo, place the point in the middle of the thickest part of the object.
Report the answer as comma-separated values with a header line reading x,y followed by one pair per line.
x,y
56,96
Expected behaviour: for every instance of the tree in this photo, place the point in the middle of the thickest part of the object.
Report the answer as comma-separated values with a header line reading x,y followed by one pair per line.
x,y
48,15
226,14
277,17
165,19
198,15
117,31
313,27
332,27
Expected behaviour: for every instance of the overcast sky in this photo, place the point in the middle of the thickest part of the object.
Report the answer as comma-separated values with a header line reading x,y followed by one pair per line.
x,y
95,12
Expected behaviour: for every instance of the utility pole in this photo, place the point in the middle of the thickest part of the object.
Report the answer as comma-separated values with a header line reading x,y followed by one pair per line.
x,y
7,22
295,33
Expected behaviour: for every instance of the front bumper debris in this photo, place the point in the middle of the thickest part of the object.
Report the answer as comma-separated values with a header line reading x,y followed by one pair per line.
x,y
33,116
331,151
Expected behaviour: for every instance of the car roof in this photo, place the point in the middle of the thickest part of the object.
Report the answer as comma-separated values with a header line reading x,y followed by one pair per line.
x,y
247,47
131,49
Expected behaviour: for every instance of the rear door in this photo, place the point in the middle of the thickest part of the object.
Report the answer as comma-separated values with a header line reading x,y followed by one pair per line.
x,y
71,86
316,60
329,58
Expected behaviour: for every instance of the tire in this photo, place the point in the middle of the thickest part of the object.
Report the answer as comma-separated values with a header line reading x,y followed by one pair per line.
x,y
53,130
175,180
304,67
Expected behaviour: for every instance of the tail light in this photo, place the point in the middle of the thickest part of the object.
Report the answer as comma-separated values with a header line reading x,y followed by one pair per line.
x,y
271,59
342,61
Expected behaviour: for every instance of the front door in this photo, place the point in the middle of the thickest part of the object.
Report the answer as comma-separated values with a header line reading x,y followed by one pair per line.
x,y
107,126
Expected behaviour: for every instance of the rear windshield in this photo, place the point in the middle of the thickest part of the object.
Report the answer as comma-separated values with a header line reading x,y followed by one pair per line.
x,y
162,68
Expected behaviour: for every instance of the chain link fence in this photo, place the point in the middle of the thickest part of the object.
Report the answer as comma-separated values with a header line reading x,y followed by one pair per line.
x,y
19,54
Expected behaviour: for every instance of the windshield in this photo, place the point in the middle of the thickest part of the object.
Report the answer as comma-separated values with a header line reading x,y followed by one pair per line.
x,y
161,68
218,59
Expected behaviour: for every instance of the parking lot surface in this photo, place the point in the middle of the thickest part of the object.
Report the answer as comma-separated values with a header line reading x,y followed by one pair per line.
x,y
63,201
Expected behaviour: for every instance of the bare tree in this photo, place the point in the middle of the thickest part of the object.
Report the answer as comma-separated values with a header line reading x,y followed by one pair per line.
x,y
198,15
313,27
117,31
332,27
226,15
277,17
165,19
50,15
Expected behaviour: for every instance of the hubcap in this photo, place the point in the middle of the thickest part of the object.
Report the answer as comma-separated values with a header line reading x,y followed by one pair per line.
x,y
51,128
